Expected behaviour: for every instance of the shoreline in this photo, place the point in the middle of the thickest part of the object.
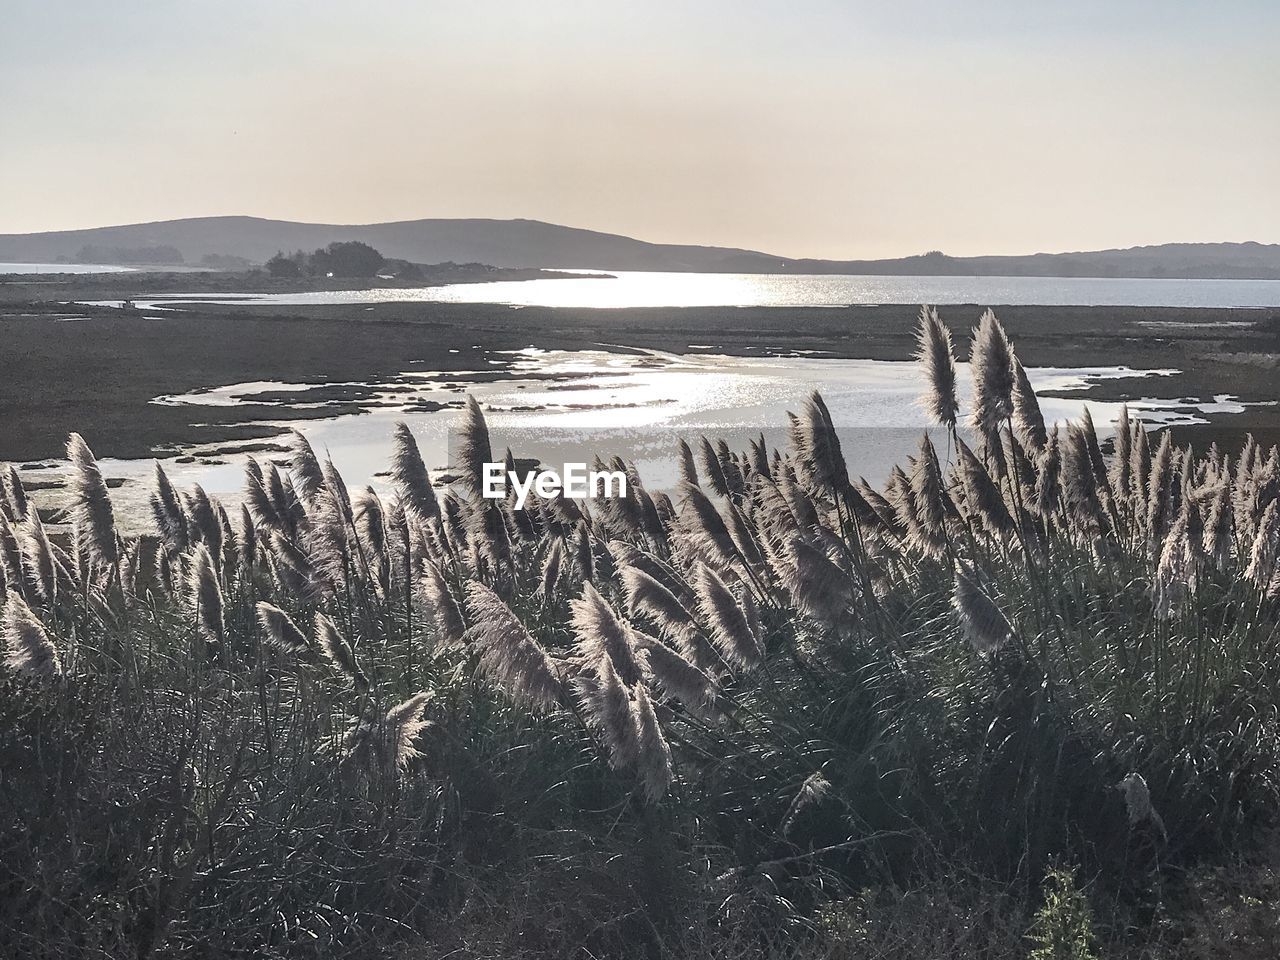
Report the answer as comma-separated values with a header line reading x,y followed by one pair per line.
x,y
98,370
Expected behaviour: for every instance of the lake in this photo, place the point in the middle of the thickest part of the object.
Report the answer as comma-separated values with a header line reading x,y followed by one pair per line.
x,y
21,268
567,406
649,289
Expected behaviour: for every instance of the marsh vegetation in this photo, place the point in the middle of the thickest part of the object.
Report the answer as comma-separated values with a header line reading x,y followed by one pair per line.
x,y
1018,699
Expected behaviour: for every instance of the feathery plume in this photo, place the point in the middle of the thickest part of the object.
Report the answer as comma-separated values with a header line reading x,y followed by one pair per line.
x,y
1080,482
606,702
256,498
715,472
985,627
653,758
294,567
308,477
338,495
821,453
41,562
168,512
1139,469
1264,556
10,559
730,467
507,651
675,675
982,496
205,595
1048,476
707,527
203,526
15,492
404,723
1175,577
248,538
473,450
935,353
647,596
371,528
990,361
814,790
927,488
92,505
446,614
600,633
338,652
734,636
819,588
30,651
410,477
1096,462
1158,486
1217,532
1028,421
1122,461
281,632
688,469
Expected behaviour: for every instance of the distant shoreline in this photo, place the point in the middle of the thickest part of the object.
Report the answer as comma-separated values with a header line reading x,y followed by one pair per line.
x,y
97,370
524,243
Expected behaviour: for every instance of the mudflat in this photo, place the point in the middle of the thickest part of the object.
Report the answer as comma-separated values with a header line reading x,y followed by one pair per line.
x,y
99,369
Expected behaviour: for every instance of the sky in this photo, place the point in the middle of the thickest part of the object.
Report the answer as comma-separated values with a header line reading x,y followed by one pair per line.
x,y
805,128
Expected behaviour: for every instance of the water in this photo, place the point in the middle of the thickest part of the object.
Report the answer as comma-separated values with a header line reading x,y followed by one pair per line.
x,y
567,406
640,289
18,268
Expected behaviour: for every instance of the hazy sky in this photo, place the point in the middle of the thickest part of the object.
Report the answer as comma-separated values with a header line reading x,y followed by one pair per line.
x,y
833,129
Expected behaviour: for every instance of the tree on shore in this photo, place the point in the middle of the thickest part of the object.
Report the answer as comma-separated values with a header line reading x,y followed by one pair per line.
x,y
346,258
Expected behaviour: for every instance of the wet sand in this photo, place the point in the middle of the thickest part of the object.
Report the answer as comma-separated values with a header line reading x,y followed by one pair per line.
x,y
99,374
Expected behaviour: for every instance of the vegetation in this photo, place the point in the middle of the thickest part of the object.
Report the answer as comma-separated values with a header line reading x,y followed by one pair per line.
x,y
1021,702
347,258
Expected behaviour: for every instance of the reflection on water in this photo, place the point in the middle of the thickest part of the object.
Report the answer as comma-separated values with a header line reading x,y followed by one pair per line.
x,y
653,289
567,406
24,268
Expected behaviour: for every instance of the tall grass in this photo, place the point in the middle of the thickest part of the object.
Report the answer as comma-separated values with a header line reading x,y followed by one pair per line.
x,y
342,723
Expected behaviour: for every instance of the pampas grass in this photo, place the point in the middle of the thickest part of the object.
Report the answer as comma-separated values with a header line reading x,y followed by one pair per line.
x,y
507,652
783,620
600,634
14,495
653,752
707,527
280,631
40,559
410,477
335,648
674,674
446,613
1028,421
405,723
91,502
29,651
991,361
473,449
308,477
937,357
982,622
205,595
731,629
167,510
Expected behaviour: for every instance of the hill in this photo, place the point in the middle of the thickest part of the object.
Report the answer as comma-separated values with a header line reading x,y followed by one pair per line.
x,y
532,243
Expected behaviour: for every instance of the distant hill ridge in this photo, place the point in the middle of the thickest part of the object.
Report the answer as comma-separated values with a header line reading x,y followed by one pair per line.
x,y
533,243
